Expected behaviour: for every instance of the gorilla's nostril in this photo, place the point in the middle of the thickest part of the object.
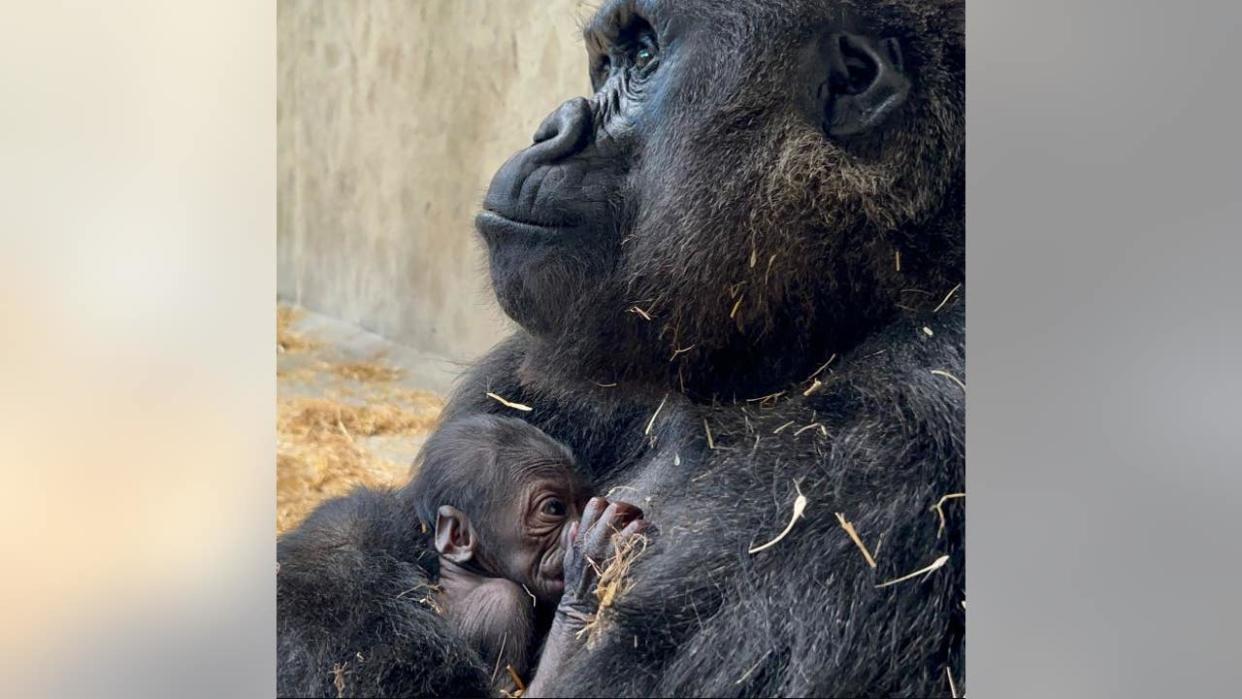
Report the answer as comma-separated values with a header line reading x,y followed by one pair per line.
x,y
547,129
564,132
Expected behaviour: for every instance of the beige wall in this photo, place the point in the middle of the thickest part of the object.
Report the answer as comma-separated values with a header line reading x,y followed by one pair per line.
x,y
392,117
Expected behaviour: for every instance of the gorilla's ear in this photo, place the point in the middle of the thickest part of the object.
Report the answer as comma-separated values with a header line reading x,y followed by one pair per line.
x,y
866,82
455,539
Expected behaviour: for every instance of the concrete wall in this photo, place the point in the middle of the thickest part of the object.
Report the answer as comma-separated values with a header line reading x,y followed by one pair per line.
x,y
392,117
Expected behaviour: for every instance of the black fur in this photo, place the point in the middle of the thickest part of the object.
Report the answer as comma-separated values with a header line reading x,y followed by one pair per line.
x,y
683,251
353,598
804,617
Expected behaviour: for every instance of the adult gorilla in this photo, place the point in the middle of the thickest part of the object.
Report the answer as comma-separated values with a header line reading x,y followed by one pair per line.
x,y
756,190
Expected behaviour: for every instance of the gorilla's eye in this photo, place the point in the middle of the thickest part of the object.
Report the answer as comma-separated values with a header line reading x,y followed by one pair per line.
x,y
553,507
645,52
643,57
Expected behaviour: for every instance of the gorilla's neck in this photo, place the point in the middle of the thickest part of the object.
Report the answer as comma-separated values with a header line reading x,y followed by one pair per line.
x,y
860,289
792,345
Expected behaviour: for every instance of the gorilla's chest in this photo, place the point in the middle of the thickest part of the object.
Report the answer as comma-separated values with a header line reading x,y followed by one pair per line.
x,y
714,471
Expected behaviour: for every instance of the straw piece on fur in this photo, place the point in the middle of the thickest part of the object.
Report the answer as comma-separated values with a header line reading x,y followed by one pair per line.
x,y
946,298
509,404
853,533
937,508
936,565
947,375
823,366
798,508
651,422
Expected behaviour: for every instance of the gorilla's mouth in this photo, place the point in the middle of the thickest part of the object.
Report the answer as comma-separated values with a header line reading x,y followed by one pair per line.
x,y
493,226
536,267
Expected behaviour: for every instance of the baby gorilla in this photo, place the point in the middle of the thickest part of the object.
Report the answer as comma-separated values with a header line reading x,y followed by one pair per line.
x,y
507,501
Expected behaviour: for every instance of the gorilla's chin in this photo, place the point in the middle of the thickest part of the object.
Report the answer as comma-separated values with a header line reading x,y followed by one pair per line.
x,y
538,272
523,310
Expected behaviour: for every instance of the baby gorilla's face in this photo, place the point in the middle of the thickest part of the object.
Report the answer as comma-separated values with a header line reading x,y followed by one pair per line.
x,y
531,534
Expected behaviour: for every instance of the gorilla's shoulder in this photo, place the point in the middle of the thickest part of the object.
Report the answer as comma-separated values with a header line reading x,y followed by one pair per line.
x,y
355,603
913,371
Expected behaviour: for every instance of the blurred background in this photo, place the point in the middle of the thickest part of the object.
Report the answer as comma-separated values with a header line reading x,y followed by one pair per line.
x,y
391,119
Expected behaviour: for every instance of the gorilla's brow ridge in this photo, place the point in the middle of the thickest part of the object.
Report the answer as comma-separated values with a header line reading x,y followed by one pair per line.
x,y
604,28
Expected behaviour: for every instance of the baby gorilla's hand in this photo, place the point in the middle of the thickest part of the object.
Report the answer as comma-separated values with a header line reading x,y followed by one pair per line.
x,y
605,527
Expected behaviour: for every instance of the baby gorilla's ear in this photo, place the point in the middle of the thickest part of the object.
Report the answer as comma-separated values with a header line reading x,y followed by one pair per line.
x,y
455,537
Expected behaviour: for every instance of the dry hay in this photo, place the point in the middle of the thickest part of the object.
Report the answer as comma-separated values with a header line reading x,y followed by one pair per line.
x,y
322,449
614,581
304,417
318,455
372,371
286,339
370,378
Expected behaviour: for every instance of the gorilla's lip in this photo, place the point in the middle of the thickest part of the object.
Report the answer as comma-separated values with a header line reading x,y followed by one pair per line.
x,y
492,223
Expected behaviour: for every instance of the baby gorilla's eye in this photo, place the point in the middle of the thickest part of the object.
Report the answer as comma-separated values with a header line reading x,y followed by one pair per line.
x,y
553,507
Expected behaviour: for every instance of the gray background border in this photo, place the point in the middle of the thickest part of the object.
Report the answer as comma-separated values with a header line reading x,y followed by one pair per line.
x,y
1104,207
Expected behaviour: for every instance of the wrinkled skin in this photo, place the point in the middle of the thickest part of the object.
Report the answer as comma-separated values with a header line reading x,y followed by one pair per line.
x,y
538,547
525,537
515,497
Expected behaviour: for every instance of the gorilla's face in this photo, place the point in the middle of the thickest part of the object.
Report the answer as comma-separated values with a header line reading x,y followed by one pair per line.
x,y
732,179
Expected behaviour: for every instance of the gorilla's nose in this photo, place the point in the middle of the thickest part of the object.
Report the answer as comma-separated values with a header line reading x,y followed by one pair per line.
x,y
542,185
564,132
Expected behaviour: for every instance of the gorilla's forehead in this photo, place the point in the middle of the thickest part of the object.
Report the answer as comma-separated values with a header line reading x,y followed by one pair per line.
x,y
756,17
715,49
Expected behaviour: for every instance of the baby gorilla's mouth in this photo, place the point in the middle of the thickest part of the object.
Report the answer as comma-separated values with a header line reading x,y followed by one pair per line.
x,y
551,573
553,568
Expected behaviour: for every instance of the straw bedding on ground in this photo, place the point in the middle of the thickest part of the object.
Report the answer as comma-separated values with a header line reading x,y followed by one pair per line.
x,y
321,439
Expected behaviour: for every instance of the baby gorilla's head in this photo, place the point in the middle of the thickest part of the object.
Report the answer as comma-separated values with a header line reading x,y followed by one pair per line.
x,y
502,497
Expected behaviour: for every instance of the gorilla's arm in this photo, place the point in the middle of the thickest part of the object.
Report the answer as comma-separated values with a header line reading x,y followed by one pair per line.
x,y
353,605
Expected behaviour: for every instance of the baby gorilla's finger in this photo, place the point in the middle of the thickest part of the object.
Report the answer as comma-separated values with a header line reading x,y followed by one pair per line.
x,y
594,508
579,576
626,513
596,541
638,526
